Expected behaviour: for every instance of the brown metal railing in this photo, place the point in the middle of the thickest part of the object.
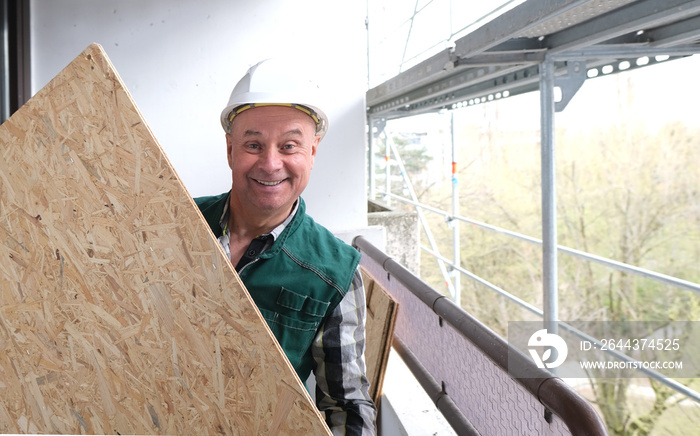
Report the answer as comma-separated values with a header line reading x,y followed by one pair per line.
x,y
476,384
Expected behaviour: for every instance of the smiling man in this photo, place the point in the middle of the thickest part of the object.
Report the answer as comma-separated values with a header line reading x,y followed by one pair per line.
x,y
305,281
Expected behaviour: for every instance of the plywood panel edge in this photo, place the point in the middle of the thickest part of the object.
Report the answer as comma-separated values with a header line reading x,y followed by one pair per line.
x,y
381,314
118,309
97,52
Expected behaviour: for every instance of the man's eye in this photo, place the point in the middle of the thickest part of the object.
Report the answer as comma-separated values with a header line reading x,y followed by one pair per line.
x,y
288,146
253,146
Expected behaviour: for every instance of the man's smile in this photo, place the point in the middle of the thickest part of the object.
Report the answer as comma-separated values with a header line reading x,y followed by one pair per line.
x,y
270,183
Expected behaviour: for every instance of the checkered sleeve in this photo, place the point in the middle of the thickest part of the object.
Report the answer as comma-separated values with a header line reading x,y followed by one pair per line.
x,y
342,388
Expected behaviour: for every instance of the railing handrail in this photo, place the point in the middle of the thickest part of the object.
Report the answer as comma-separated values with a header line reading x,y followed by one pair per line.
x,y
552,392
671,383
620,266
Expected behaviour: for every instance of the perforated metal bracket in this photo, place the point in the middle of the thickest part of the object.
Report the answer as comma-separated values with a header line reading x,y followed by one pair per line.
x,y
570,83
377,126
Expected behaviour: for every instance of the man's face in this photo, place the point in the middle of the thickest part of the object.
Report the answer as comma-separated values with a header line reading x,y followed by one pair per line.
x,y
271,151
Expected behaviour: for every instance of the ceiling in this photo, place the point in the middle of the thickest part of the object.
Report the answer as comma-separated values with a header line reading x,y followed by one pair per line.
x,y
503,57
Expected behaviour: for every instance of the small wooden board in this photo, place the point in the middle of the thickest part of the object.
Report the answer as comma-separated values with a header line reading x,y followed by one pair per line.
x,y
381,318
119,312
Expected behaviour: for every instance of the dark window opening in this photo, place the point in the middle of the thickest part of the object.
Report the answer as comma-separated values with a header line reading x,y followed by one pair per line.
x,y
15,68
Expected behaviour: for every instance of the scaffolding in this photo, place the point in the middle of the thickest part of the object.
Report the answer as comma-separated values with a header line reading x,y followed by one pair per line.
x,y
545,46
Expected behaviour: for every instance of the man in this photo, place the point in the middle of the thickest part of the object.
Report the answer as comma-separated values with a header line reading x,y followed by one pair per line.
x,y
305,281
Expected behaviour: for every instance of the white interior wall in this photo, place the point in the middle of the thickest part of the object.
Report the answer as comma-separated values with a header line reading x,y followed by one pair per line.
x,y
180,59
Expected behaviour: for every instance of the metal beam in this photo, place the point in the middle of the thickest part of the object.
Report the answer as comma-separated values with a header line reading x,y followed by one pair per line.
x,y
516,45
502,58
681,32
477,68
637,16
425,95
523,17
520,79
624,52
427,71
499,30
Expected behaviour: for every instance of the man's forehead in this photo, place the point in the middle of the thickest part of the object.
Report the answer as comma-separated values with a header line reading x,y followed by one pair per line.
x,y
287,119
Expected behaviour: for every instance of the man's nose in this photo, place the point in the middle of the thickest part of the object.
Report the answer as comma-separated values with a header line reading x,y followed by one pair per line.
x,y
270,159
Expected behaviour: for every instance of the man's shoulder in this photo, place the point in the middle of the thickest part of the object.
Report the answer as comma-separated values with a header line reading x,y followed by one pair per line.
x,y
316,245
319,234
212,207
209,201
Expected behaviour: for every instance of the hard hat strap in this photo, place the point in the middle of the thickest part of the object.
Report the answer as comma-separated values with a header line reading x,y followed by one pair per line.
x,y
302,108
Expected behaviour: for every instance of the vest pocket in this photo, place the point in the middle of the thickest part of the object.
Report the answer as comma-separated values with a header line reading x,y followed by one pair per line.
x,y
294,336
275,319
294,319
302,303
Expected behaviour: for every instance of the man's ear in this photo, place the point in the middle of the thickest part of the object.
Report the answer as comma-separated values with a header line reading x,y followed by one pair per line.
x,y
314,147
229,149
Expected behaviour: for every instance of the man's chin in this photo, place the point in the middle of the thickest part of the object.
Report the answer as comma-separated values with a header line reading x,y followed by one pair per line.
x,y
274,206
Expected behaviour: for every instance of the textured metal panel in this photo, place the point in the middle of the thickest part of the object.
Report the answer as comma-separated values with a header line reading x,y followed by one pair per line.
x,y
504,27
639,16
492,401
575,16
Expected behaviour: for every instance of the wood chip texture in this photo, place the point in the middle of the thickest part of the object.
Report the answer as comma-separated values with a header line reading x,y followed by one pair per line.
x,y
119,313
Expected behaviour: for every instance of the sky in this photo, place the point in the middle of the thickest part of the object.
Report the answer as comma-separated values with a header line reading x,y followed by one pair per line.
x,y
402,33
662,93
659,94
401,30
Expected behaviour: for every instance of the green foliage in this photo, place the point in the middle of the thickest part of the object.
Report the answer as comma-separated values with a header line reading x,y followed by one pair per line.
x,y
623,193
414,156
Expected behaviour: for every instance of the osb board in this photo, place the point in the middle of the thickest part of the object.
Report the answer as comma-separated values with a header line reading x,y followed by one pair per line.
x,y
381,317
119,313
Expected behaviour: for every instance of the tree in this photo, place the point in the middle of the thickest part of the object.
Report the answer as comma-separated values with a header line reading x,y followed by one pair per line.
x,y
414,155
628,194
625,192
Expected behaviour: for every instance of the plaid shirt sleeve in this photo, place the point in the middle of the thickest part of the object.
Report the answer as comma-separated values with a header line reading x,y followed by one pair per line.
x,y
342,388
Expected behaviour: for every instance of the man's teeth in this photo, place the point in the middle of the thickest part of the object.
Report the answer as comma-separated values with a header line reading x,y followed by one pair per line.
x,y
269,183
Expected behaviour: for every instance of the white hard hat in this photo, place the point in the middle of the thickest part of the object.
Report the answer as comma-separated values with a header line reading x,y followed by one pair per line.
x,y
275,82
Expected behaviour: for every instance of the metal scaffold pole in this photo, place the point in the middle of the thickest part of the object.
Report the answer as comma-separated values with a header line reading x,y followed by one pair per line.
x,y
370,158
549,206
391,148
387,160
456,275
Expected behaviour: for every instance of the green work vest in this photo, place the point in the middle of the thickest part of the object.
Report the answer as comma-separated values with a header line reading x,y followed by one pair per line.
x,y
297,282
